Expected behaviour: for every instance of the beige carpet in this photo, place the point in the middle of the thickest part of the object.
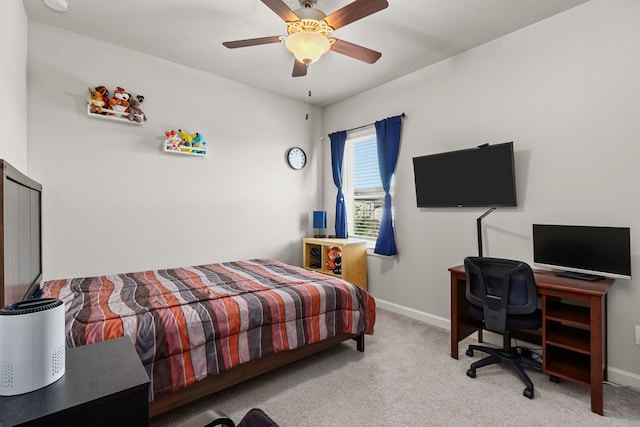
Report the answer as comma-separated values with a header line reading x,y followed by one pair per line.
x,y
407,378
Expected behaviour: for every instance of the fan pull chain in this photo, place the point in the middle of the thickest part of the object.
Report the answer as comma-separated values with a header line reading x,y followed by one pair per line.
x,y
307,116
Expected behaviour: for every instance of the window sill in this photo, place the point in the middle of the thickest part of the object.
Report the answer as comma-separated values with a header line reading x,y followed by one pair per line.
x,y
371,253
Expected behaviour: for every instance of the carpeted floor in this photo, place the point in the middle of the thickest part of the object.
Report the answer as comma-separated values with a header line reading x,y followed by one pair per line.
x,y
406,377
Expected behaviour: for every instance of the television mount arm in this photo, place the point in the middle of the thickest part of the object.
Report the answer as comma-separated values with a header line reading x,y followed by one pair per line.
x,y
479,224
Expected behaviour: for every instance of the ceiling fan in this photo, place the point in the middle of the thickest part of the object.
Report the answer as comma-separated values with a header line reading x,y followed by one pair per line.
x,y
308,29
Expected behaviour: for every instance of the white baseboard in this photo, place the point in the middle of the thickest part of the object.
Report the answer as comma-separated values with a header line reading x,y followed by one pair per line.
x,y
438,321
615,375
624,378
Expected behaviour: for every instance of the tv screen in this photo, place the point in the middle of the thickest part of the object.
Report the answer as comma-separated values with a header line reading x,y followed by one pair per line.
x,y
481,176
596,251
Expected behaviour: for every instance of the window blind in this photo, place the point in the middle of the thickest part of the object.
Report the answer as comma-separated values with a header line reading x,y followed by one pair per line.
x,y
364,192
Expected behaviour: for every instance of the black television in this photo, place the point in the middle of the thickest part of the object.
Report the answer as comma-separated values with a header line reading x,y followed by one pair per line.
x,y
483,176
583,252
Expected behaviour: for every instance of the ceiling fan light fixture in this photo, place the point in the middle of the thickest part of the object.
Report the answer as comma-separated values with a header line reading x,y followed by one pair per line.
x,y
308,31
307,46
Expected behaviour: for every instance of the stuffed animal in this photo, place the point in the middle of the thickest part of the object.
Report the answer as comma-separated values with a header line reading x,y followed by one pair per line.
x,y
119,103
95,101
135,113
187,141
199,142
335,260
173,140
104,92
186,137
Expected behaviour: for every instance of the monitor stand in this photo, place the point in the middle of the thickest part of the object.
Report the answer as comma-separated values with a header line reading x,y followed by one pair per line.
x,y
579,276
479,228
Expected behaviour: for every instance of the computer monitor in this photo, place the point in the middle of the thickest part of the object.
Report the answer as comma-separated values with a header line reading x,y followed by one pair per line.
x,y
583,252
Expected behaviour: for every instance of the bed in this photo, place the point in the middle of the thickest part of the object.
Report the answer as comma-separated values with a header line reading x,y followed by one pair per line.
x,y
191,323
201,329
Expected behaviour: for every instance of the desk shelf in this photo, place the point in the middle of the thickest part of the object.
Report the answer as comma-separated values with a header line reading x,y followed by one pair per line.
x,y
568,365
574,325
566,339
569,338
569,314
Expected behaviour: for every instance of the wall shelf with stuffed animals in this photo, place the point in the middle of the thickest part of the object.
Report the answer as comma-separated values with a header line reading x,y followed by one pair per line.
x,y
181,142
122,107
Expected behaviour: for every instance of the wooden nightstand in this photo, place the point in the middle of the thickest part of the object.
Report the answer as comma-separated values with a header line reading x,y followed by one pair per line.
x,y
104,384
354,258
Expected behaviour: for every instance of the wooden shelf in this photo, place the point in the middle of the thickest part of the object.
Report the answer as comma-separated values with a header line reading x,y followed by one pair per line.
x,y
574,332
574,339
567,313
567,338
354,258
569,366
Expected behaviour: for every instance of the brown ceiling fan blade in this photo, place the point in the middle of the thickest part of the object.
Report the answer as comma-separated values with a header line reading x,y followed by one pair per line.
x,y
252,42
355,51
354,11
281,9
299,69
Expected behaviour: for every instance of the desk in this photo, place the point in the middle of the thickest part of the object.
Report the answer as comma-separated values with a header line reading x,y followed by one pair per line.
x,y
574,327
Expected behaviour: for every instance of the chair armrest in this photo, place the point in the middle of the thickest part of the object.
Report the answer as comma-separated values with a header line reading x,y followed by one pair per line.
x,y
210,418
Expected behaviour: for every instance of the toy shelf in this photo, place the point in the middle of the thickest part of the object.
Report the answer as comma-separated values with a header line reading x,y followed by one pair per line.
x,y
354,258
200,151
121,119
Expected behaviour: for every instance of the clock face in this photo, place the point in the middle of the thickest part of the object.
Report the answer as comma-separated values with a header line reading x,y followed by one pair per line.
x,y
296,158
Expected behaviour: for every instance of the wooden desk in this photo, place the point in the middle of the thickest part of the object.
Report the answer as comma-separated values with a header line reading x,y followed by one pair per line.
x,y
574,327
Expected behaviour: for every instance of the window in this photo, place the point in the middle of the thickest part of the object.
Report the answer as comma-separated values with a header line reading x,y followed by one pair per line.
x,y
362,187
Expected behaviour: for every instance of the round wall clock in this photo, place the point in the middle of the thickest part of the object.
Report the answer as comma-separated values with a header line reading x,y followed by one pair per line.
x,y
296,158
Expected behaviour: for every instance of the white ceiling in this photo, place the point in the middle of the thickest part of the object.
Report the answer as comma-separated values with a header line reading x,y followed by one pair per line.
x,y
411,34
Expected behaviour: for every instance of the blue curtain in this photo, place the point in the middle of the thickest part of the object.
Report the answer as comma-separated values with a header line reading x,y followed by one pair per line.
x,y
388,137
338,140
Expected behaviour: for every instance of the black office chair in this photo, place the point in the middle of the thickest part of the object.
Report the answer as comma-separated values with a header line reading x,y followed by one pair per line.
x,y
502,293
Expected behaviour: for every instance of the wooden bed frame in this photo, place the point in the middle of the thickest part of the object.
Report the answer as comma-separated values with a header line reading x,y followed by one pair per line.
x,y
21,274
242,373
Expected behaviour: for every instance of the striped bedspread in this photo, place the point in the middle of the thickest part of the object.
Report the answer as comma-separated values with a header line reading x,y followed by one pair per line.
x,y
189,323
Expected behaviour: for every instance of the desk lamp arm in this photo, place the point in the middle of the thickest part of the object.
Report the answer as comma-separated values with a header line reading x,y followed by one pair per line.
x,y
479,224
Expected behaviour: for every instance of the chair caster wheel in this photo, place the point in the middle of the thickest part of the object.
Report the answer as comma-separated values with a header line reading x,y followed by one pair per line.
x,y
471,373
469,352
554,379
528,392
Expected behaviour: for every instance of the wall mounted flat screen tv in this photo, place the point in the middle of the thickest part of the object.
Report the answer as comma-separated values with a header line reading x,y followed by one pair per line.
x,y
476,177
590,252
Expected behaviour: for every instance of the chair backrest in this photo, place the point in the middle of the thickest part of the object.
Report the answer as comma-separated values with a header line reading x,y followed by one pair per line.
x,y
500,287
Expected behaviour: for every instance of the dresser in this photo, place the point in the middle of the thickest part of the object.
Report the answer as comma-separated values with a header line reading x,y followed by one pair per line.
x,y
104,384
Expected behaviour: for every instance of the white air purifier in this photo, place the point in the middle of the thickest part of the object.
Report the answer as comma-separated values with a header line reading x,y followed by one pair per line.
x,y
31,345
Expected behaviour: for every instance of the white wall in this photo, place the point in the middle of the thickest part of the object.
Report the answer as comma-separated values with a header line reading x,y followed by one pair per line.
x,y
113,202
13,84
566,91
